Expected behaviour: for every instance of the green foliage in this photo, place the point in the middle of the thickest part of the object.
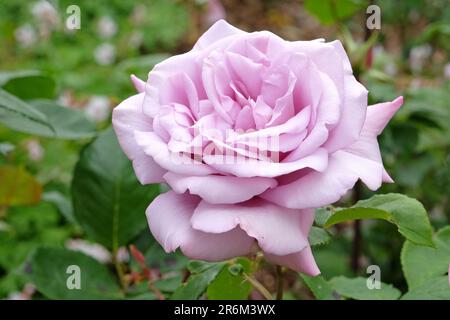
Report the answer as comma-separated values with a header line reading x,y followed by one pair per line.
x,y
425,268
19,115
48,271
408,214
318,236
203,274
230,284
28,84
330,11
320,287
109,202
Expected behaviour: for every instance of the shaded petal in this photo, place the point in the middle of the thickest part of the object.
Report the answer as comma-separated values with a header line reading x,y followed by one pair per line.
x,y
354,106
247,167
220,189
302,261
169,221
154,147
278,230
317,189
126,118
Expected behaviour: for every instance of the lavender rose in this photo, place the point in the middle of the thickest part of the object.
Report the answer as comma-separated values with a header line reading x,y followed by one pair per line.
x,y
251,132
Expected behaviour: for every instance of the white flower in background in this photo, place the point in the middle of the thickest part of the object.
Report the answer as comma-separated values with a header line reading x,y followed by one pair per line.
x,y
377,50
391,69
44,12
139,14
47,16
123,255
415,84
418,56
136,39
65,99
26,294
98,108
447,71
106,27
26,35
34,149
105,54
94,250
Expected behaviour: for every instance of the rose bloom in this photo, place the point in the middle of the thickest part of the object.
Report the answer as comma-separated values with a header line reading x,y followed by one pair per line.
x,y
251,132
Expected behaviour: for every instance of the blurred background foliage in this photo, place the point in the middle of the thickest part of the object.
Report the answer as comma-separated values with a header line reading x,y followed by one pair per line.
x,y
64,84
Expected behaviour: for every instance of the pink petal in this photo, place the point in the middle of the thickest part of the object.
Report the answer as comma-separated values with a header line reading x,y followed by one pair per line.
x,y
219,189
246,167
353,112
322,188
218,31
278,230
302,261
126,118
169,221
139,85
156,148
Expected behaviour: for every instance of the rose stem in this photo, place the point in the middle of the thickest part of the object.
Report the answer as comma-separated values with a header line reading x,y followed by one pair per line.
x,y
279,283
258,286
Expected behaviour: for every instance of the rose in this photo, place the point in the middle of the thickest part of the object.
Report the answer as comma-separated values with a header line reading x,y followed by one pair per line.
x,y
290,115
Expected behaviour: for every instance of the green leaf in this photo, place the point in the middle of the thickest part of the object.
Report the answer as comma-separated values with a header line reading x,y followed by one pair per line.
x,y
320,287
231,285
48,271
330,11
322,215
408,214
65,123
28,84
109,202
62,203
422,265
198,282
434,289
318,236
18,187
19,115
356,288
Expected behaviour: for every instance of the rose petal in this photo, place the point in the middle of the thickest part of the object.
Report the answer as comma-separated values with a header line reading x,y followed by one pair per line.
x,y
278,230
219,30
220,189
246,167
156,148
322,188
126,118
169,221
302,261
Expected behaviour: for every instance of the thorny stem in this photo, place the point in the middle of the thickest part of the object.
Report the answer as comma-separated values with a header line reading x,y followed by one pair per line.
x,y
258,286
279,283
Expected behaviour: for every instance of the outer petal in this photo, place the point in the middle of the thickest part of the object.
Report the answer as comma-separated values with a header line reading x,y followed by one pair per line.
x,y
361,160
139,85
169,220
322,188
353,113
278,230
302,261
126,118
219,189
219,30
